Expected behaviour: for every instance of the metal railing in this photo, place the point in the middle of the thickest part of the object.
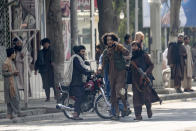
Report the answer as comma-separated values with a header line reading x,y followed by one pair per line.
x,y
4,24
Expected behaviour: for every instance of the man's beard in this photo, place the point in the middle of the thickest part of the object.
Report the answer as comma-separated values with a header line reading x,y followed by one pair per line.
x,y
83,57
136,54
180,42
13,59
18,48
45,49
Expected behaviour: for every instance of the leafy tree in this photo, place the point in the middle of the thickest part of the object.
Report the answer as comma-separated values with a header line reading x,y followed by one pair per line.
x,y
108,20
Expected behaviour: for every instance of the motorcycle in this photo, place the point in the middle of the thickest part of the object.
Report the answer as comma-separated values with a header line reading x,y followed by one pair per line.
x,y
95,99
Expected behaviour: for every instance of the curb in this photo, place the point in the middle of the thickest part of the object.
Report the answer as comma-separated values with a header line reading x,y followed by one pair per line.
x,y
35,111
174,96
27,113
30,118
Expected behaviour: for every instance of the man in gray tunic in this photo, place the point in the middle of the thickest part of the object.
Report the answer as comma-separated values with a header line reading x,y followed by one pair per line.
x,y
11,92
127,45
19,61
193,51
187,81
21,53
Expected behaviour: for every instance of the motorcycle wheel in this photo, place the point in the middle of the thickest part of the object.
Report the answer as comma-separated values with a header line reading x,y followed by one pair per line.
x,y
69,103
102,109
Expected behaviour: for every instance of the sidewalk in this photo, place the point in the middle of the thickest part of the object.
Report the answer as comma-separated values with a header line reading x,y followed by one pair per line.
x,y
37,110
33,104
175,96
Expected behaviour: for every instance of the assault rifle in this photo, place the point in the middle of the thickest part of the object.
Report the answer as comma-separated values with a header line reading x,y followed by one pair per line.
x,y
144,79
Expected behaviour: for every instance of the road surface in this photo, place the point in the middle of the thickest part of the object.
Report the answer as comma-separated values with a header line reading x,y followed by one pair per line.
x,y
170,116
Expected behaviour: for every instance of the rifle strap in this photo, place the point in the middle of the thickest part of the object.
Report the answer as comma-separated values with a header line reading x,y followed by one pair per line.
x,y
136,85
134,64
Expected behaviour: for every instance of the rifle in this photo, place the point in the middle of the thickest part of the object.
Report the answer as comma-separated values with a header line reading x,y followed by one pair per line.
x,y
144,79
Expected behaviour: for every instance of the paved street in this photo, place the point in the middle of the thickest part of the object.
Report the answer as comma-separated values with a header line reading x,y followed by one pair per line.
x,y
171,116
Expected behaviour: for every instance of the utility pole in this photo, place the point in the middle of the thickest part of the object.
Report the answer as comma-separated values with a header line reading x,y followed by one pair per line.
x,y
92,30
128,17
165,35
74,23
156,52
136,16
26,78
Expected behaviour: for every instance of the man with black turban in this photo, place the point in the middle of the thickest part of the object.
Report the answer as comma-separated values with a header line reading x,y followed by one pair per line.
x,y
45,63
78,80
141,68
176,60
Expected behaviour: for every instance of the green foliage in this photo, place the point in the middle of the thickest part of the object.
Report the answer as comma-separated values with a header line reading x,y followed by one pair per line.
x,y
119,5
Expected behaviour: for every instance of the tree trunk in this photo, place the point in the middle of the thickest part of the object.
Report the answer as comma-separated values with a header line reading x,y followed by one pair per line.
x,y
54,33
74,23
108,22
174,19
174,24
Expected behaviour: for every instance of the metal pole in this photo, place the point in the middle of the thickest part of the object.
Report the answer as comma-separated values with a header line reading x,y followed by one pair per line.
x,y
136,15
26,79
165,33
128,17
44,12
37,18
92,30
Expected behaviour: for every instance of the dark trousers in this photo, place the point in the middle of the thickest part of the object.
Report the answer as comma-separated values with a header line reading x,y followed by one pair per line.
x,y
79,93
48,82
77,105
47,92
138,109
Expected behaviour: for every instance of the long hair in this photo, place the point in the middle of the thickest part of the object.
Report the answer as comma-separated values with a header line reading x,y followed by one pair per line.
x,y
113,36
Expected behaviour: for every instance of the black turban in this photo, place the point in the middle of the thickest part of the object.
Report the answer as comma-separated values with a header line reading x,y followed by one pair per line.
x,y
10,51
138,44
77,49
45,40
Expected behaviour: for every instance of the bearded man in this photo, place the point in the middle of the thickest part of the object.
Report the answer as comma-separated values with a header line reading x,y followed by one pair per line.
x,y
141,68
176,60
